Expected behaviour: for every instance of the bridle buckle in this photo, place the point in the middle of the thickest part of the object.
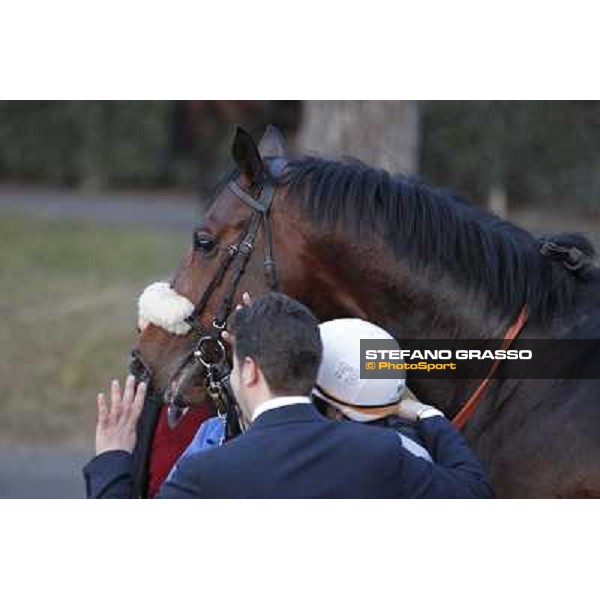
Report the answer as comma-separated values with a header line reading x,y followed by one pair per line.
x,y
210,351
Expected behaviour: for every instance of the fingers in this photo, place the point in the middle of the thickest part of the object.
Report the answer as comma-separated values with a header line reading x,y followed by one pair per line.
x,y
116,428
121,406
228,337
246,301
128,396
138,403
129,391
102,411
407,393
115,400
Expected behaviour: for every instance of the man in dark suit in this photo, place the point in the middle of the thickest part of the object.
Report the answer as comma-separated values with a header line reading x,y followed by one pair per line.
x,y
289,450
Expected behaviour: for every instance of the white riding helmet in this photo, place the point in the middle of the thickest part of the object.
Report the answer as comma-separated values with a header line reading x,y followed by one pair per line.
x,y
339,382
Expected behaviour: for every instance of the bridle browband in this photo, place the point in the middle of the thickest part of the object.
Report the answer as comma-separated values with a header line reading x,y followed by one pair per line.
x,y
243,248
209,351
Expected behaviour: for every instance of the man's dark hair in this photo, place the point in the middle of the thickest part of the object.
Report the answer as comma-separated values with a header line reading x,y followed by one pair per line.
x,y
282,335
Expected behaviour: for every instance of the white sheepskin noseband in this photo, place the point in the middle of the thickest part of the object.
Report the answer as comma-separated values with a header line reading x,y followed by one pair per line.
x,y
161,305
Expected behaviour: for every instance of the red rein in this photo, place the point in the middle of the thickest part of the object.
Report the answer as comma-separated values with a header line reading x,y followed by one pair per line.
x,y
479,394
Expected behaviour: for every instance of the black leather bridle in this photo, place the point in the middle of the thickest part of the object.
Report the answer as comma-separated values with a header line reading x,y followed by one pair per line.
x,y
243,248
209,351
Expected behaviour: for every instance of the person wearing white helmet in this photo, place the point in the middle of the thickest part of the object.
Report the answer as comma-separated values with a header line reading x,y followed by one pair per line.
x,y
289,450
340,392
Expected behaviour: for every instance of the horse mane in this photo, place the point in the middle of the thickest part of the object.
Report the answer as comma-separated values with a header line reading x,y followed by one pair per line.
x,y
436,232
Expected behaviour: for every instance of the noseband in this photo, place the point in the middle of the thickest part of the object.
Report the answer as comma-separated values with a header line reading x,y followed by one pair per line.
x,y
209,351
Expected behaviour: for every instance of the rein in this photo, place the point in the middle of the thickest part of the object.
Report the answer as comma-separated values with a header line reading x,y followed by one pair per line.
x,y
479,394
217,378
210,351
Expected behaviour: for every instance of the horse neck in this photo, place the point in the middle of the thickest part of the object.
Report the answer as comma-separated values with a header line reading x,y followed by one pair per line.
x,y
372,284
375,286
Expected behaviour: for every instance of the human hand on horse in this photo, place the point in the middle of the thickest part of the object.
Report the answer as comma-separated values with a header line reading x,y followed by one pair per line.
x,y
246,301
116,428
411,408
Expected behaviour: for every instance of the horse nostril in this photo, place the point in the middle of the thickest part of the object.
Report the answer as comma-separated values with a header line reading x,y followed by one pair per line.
x,y
138,368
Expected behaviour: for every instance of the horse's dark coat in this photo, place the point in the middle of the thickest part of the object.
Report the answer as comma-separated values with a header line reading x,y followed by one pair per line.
x,y
438,232
350,240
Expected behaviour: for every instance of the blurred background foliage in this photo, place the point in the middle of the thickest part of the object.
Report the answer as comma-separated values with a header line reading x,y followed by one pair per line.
x,y
98,199
537,153
97,145
87,144
541,153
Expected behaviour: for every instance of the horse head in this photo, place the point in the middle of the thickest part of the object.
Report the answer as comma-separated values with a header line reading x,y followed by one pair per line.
x,y
240,245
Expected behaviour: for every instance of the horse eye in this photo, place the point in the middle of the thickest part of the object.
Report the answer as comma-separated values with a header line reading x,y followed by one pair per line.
x,y
204,243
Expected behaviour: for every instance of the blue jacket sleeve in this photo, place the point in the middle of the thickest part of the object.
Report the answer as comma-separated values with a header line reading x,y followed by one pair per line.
x,y
185,480
456,471
209,435
109,475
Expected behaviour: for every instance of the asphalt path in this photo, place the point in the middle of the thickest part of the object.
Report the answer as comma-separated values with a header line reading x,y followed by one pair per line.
x,y
42,472
168,211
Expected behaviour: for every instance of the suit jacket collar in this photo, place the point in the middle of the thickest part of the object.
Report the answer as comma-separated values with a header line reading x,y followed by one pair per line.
x,y
294,413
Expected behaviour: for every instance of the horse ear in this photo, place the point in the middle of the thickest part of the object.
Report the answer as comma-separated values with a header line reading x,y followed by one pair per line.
x,y
246,156
272,143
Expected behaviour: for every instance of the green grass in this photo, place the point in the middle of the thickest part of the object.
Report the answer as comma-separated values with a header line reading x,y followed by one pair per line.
x,y
68,316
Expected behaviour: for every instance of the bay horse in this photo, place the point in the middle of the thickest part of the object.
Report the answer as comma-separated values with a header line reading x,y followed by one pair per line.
x,y
350,240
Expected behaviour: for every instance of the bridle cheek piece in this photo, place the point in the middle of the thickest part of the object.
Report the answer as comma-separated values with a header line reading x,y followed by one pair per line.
x,y
210,351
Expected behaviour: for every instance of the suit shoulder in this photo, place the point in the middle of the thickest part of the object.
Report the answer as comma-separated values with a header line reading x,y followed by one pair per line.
x,y
375,437
197,463
368,430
